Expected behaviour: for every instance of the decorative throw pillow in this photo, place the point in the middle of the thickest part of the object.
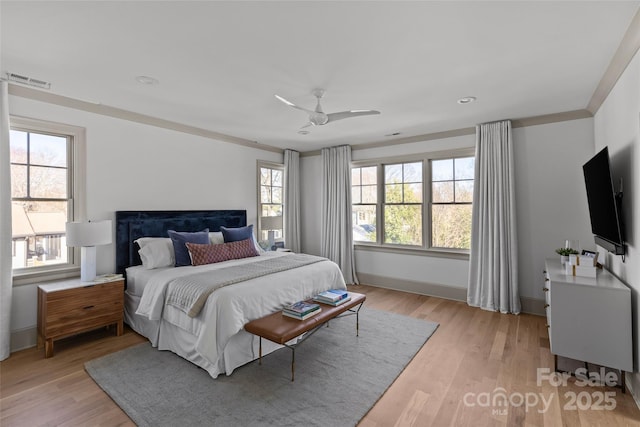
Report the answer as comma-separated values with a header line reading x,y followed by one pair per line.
x,y
240,233
208,254
156,253
242,249
180,239
237,234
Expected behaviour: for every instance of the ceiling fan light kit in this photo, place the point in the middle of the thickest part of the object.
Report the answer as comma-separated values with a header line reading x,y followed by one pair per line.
x,y
318,117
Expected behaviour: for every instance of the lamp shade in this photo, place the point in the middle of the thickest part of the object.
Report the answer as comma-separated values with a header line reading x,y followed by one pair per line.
x,y
88,233
271,222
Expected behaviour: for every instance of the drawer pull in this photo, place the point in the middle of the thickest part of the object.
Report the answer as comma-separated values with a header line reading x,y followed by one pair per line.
x,y
545,289
546,306
546,279
88,307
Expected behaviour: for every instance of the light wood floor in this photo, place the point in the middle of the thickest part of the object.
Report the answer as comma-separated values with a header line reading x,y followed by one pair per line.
x,y
470,356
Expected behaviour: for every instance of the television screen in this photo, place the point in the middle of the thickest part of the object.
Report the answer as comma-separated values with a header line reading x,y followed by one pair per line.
x,y
603,206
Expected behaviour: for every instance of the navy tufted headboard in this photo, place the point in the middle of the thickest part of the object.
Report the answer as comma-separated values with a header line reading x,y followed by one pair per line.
x,y
131,225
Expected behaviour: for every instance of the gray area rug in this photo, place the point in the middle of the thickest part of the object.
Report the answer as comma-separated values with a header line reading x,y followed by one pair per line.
x,y
339,377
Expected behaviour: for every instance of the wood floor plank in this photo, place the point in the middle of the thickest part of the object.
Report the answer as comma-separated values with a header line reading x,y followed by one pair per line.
x,y
473,354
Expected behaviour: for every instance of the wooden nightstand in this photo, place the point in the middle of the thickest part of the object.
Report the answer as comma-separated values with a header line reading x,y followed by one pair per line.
x,y
69,307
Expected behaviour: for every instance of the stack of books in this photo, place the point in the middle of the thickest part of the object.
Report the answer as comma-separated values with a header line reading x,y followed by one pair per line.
x,y
333,297
108,278
301,310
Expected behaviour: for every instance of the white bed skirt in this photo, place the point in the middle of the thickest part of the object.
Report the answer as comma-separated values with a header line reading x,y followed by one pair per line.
x,y
241,349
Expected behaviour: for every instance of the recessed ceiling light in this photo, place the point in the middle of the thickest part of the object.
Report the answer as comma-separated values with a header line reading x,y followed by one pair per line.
x,y
146,80
466,100
303,132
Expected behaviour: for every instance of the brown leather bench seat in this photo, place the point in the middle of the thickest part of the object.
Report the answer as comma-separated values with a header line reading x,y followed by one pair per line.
x,y
280,329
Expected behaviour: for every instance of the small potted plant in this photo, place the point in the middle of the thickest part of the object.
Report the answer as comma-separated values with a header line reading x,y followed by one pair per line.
x,y
564,254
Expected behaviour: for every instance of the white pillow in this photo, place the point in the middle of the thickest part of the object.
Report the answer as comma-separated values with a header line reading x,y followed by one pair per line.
x,y
143,241
156,252
216,238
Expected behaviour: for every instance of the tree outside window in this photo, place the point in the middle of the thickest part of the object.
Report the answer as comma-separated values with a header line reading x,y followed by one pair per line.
x,y
451,202
403,203
424,201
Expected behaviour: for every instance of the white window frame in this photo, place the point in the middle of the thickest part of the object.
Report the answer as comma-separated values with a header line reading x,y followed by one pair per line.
x,y
76,158
276,166
425,248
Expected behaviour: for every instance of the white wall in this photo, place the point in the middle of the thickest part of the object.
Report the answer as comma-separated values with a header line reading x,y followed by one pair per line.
x,y
617,125
131,166
550,196
551,200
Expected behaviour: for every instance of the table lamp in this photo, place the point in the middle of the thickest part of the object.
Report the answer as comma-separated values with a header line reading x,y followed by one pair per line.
x,y
270,224
88,235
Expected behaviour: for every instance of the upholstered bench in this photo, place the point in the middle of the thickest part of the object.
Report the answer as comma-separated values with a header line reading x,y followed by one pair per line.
x,y
281,329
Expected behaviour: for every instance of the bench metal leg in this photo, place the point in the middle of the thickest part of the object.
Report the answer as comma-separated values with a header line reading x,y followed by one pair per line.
x,y
307,334
293,362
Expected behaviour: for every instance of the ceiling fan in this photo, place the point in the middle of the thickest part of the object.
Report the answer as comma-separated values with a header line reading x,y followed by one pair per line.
x,y
318,117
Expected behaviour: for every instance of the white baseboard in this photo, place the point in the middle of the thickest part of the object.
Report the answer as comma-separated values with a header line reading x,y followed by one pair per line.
x,y
529,305
24,338
629,383
414,287
532,306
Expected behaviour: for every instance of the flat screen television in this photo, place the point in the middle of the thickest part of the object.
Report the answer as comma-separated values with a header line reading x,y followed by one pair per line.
x,y
604,203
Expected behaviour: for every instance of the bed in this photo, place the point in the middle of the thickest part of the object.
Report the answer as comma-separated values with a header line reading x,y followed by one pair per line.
x,y
211,335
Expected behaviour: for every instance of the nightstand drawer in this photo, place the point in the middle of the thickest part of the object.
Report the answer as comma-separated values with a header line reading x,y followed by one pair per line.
x,y
76,319
102,295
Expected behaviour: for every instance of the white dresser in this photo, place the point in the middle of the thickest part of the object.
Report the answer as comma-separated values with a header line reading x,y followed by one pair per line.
x,y
589,319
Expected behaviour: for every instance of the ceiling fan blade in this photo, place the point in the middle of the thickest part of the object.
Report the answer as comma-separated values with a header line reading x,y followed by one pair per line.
x,y
347,114
307,125
291,104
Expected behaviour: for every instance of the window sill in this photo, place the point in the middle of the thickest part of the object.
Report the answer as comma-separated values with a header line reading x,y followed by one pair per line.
x,y
30,277
459,254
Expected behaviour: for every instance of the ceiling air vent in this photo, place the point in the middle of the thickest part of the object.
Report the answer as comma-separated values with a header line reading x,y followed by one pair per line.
x,y
12,77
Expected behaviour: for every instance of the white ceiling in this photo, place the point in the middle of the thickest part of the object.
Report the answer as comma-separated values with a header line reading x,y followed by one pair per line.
x,y
219,64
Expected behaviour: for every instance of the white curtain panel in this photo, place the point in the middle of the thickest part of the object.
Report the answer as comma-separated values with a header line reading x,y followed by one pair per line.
x,y
493,272
292,200
6,279
336,234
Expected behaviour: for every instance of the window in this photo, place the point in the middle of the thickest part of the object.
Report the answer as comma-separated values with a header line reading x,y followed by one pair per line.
x,y
403,203
419,202
271,201
451,198
364,197
43,172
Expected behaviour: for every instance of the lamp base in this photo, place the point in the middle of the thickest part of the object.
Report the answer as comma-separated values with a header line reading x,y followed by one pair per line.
x,y
87,263
271,238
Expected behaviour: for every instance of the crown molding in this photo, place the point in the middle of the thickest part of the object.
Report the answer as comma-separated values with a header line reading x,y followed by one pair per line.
x,y
546,119
63,101
105,110
515,123
624,54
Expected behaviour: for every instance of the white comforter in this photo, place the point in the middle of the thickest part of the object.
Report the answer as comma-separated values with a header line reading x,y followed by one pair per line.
x,y
212,334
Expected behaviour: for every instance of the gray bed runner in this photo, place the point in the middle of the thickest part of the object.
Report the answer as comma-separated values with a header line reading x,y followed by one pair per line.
x,y
189,293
